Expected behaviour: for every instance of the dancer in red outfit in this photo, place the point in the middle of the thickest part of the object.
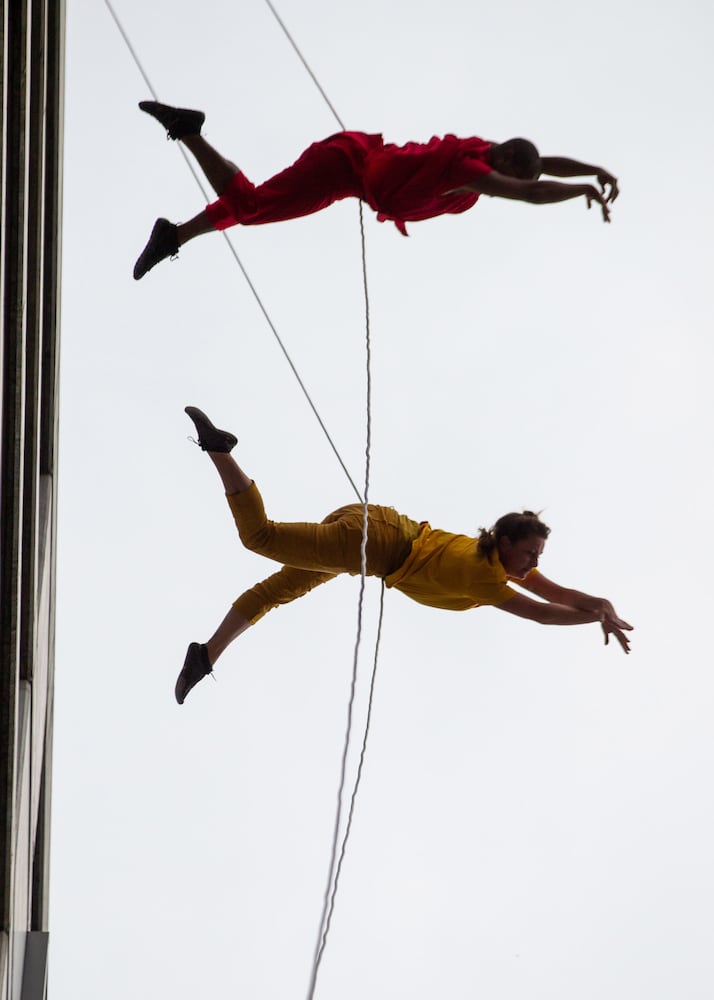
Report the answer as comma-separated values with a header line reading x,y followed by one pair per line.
x,y
401,183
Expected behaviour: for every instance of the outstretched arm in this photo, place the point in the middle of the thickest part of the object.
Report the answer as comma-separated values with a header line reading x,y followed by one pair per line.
x,y
563,166
552,592
536,192
547,613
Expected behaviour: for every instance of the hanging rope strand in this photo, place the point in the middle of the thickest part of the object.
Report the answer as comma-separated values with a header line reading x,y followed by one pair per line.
x,y
330,892
353,797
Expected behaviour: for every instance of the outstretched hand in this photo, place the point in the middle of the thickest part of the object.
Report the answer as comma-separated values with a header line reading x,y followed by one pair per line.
x,y
606,180
591,195
612,625
615,627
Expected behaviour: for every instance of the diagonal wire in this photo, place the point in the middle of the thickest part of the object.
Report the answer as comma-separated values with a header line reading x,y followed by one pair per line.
x,y
304,61
238,261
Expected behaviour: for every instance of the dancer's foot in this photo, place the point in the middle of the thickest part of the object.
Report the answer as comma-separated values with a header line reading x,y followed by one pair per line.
x,y
210,438
163,243
178,122
195,668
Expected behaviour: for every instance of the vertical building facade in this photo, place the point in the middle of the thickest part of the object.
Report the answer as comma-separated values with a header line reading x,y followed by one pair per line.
x,y
31,101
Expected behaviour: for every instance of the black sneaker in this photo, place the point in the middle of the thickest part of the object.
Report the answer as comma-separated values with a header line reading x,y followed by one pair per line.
x,y
163,243
195,668
178,122
210,438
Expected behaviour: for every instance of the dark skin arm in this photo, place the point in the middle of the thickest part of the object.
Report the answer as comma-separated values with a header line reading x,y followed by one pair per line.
x,y
563,166
536,192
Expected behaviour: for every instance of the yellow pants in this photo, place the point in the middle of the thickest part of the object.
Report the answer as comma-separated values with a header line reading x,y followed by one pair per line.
x,y
315,553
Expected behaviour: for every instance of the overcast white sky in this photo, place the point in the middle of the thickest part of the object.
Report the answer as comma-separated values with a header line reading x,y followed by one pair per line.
x,y
536,815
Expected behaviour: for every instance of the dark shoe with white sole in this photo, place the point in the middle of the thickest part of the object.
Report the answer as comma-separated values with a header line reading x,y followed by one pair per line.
x,y
210,438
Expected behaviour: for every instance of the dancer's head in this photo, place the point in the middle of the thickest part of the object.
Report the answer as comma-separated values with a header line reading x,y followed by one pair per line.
x,y
516,158
518,540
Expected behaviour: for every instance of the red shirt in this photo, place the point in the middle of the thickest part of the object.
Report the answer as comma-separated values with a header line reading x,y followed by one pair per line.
x,y
408,183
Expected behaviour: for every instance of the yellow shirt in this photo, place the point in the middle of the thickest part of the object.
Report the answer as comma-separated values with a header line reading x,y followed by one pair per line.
x,y
448,571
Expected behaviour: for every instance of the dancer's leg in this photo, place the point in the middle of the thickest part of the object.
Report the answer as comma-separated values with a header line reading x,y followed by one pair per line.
x,y
283,587
219,171
166,237
280,588
185,125
312,553
230,628
200,657
197,226
326,172
232,476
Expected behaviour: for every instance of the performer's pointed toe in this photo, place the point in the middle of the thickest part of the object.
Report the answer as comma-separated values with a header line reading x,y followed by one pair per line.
x,y
210,437
178,122
195,668
163,243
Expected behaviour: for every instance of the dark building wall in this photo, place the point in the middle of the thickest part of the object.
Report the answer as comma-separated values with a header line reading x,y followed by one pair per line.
x,y
31,97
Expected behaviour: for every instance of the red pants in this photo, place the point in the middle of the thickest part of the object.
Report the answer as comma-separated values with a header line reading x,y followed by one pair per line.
x,y
401,183
325,173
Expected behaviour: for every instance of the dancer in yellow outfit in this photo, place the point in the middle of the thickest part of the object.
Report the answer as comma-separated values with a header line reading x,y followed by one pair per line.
x,y
433,567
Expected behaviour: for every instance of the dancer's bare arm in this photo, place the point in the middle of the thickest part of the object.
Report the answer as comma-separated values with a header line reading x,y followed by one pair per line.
x,y
563,166
554,593
535,192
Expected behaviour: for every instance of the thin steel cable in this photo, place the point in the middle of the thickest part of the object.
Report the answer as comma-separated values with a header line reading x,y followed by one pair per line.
x,y
304,61
295,372
237,259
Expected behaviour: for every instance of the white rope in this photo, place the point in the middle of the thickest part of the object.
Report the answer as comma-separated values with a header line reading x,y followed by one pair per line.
x,y
353,798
